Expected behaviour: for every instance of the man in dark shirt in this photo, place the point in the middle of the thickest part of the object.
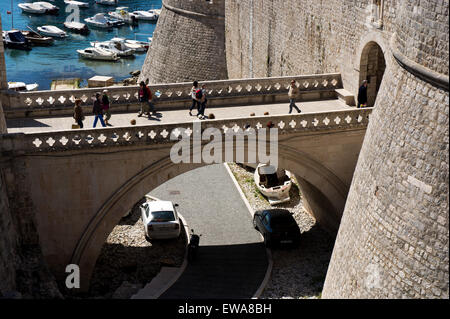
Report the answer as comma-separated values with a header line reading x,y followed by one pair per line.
x,y
97,110
362,95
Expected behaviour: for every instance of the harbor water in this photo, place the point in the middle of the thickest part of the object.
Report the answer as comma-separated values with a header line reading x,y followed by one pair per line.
x,y
43,64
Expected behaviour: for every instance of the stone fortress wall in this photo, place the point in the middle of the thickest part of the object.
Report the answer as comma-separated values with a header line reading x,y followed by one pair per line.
x,y
188,43
393,239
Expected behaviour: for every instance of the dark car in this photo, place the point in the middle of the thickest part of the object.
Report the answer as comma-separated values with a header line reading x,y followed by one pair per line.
x,y
277,227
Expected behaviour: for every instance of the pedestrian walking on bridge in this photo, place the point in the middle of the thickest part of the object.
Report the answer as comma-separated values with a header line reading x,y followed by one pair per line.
x,y
145,97
106,106
97,110
78,113
293,94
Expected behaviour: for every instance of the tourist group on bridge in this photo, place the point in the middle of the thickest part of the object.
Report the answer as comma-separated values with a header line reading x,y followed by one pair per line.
x,y
102,106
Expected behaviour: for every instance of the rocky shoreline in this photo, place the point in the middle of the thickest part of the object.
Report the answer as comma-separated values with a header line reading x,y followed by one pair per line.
x,y
297,273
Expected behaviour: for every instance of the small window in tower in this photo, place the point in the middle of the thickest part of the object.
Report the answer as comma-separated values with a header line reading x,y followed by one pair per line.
x,y
377,13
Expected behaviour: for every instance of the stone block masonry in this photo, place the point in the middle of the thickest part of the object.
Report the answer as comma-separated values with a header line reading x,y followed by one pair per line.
x,y
393,238
188,43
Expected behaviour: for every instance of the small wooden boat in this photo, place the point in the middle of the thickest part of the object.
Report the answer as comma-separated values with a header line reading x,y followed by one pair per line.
x,y
273,183
36,39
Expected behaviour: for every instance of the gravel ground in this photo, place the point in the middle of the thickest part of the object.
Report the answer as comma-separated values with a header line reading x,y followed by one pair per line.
x,y
297,273
128,262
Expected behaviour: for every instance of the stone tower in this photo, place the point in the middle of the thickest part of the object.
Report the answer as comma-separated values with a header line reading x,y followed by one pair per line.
x,y
393,238
188,43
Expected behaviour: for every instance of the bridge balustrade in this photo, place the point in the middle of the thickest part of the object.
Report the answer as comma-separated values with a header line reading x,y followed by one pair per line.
x,y
173,95
57,141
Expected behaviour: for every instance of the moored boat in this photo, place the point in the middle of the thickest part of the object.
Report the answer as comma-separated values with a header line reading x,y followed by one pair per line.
x,y
22,87
116,47
36,39
97,54
52,31
273,183
79,4
40,7
107,2
14,39
99,21
122,14
145,15
77,27
138,46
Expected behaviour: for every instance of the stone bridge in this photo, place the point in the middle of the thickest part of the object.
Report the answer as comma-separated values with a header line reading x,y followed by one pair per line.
x,y
79,183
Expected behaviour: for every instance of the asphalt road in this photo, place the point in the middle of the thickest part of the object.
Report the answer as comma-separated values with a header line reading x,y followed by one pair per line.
x,y
232,259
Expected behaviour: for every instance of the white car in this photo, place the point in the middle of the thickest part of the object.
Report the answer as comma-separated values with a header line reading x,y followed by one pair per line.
x,y
161,220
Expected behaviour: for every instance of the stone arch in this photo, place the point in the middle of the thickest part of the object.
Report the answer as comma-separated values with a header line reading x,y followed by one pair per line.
x,y
328,191
372,68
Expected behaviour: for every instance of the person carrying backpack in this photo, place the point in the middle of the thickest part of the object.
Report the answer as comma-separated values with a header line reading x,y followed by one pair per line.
x,y
145,98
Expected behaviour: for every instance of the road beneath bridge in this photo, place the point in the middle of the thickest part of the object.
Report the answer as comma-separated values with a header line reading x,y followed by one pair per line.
x,y
32,125
232,261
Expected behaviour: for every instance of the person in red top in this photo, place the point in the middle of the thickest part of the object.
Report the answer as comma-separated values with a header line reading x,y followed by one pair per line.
x,y
145,98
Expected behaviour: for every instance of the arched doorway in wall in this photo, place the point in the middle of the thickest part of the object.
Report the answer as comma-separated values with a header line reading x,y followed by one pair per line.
x,y
372,67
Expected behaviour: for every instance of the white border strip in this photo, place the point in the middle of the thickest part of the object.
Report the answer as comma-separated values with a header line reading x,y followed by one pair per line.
x,y
263,285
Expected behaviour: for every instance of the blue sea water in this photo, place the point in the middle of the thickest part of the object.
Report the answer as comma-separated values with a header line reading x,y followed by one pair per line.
x,y
43,64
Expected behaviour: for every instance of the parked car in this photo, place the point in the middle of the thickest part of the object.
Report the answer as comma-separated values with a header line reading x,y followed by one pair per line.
x,y
161,220
277,227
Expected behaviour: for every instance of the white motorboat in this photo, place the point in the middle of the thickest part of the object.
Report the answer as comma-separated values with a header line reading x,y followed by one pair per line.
x,y
273,183
145,16
122,14
40,7
156,12
107,2
137,46
77,27
22,87
99,20
77,3
52,31
116,47
98,54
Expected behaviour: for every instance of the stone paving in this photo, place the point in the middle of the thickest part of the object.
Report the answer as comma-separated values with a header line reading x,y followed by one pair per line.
x,y
31,125
232,260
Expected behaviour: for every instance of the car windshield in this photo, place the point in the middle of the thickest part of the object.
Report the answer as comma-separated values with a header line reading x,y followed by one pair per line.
x,y
162,216
282,222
